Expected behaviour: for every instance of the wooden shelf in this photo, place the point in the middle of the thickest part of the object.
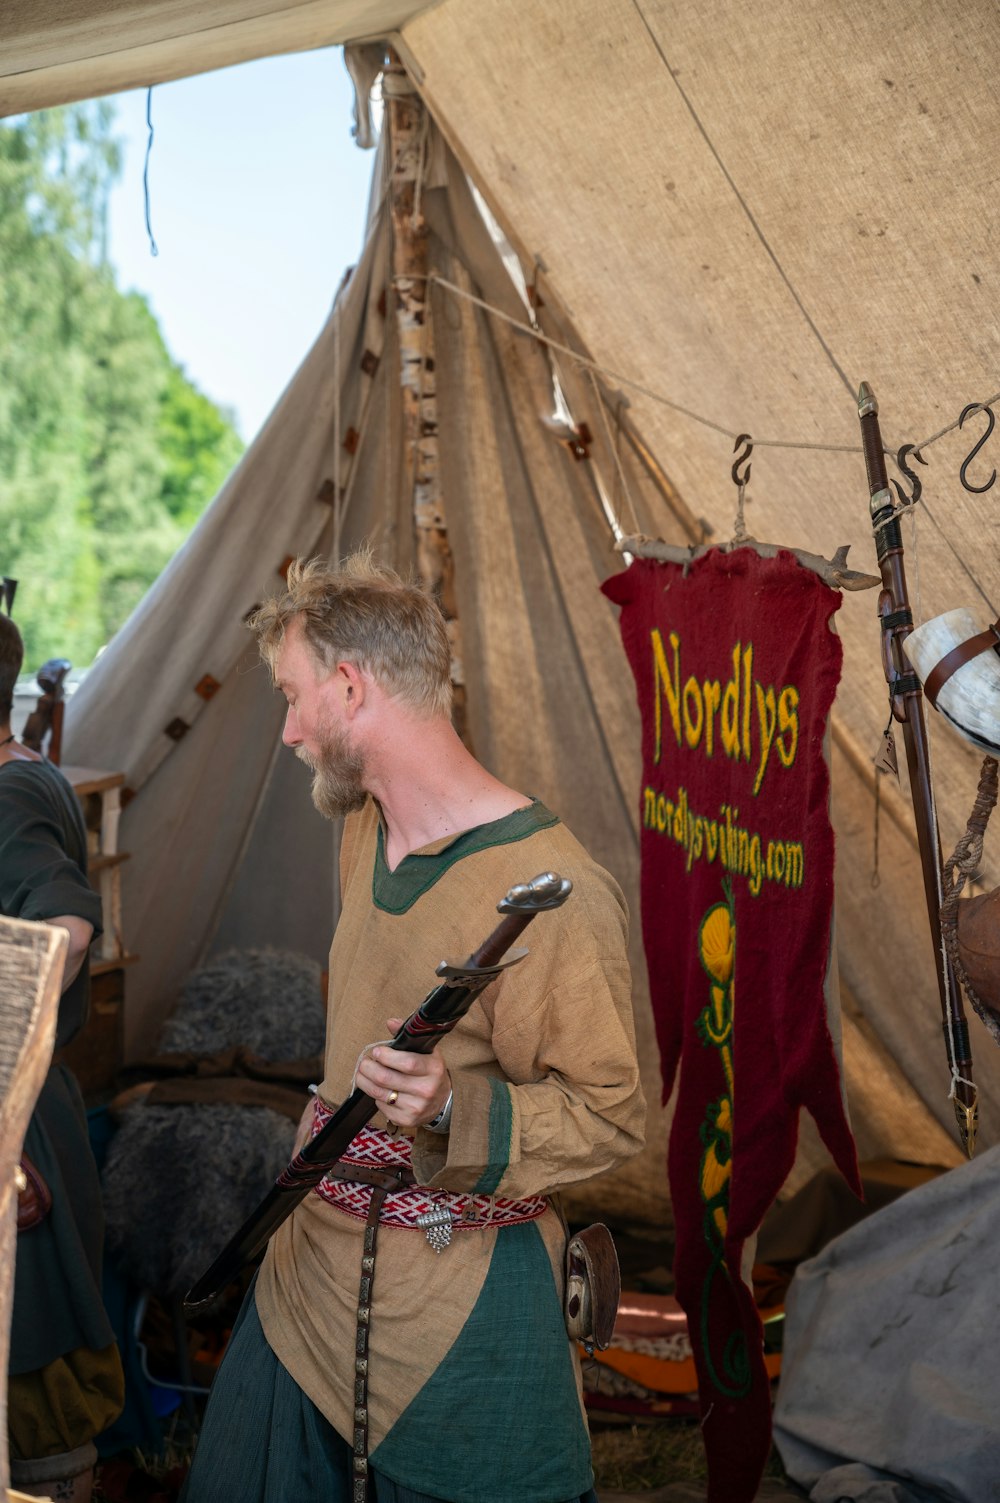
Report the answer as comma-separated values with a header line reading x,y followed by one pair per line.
x,y
98,864
92,780
95,1055
102,967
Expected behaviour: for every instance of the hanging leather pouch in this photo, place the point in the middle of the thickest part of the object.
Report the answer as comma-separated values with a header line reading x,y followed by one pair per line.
x,y
34,1198
593,1287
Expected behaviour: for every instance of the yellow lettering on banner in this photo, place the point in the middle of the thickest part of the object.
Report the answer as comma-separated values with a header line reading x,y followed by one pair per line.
x,y
711,838
705,712
756,872
747,697
795,864
730,717
692,731
767,713
712,690
737,849
788,720
669,686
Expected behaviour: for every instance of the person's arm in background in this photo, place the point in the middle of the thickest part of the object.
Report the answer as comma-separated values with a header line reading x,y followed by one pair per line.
x,y
80,935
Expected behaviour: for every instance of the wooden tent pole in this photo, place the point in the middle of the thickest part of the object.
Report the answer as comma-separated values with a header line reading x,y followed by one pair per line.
x,y
408,125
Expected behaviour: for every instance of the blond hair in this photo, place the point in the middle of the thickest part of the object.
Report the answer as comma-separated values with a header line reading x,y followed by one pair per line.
x,y
364,614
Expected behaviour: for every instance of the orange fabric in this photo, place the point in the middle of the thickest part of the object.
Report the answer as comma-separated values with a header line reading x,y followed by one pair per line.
x,y
663,1376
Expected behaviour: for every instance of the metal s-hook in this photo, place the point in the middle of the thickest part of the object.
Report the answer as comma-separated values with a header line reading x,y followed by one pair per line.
x,y
740,479
904,469
977,490
744,458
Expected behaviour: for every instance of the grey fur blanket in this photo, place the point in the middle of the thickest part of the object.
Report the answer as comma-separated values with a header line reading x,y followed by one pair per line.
x,y
179,1180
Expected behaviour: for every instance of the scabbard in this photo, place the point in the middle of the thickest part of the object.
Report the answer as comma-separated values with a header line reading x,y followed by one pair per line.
x,y
436,1016
906,700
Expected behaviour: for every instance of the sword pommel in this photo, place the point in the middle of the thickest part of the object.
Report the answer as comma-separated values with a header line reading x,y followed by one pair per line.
x,y
547,890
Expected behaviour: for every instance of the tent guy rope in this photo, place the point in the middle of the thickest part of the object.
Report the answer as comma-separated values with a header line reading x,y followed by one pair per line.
x,y
697,417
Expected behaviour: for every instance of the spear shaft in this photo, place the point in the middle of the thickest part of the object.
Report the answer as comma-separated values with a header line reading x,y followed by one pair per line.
x,y
906,699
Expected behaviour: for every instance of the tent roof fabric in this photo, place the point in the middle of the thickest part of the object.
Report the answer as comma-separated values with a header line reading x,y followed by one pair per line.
x,y
53,53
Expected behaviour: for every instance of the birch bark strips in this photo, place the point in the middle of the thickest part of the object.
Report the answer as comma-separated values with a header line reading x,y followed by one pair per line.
x,y
408,132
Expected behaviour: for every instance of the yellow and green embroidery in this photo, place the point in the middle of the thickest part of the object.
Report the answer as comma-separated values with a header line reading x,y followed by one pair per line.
x,y
717,953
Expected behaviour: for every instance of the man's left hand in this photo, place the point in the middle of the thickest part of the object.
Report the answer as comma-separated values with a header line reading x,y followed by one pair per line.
x,y
418,1084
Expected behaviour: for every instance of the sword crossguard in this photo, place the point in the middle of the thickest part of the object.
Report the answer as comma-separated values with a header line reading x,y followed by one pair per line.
x,y
547,890
461,975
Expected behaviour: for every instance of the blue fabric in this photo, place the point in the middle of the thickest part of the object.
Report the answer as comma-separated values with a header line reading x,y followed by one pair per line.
x,y
503,1406
138,1426
501,1126
264,1441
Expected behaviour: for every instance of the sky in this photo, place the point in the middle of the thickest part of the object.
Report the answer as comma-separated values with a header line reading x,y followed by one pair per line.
x,y
258,196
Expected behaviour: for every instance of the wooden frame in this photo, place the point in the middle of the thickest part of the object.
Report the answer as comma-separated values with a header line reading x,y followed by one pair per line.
x,y
32,958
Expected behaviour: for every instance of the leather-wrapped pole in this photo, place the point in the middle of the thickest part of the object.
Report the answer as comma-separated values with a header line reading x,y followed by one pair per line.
x,y
906,699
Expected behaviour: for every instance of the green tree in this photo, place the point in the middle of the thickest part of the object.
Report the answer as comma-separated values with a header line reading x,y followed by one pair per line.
x,y
108,454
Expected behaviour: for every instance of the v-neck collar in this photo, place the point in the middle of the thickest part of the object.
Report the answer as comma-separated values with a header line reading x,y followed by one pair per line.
x,y
396,891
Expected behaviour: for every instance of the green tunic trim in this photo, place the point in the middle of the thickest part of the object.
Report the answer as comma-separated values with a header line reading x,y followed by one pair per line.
x,y
453,1441
500,1129
397,891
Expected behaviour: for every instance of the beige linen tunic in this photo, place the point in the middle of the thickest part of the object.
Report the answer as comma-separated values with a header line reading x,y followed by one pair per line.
x,y
546,1093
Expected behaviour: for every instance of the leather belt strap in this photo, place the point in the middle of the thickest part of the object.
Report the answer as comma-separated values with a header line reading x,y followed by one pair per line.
x,y
957,658
382,1180
359,1459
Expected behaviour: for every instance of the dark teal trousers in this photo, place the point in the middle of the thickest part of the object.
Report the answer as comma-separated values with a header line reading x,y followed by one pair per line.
x,y
264,1441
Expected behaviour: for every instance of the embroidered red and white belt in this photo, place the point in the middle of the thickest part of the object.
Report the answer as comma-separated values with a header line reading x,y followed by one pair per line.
x,y
374,1148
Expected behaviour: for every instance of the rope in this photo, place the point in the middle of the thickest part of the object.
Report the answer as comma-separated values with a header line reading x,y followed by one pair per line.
x,y
616,377
964,863
740,525
656,396
620,473
145,171
338,509
673,74
990,402
418,187
876,879
956,1078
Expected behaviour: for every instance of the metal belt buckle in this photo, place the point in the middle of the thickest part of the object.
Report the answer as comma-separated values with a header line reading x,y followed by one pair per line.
x,y
437,1224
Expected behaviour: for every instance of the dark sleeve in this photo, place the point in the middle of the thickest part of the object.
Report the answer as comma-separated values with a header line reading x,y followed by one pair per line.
x,y
39,878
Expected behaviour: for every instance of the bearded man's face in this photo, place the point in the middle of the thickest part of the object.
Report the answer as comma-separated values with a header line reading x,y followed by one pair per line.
x,y
338,774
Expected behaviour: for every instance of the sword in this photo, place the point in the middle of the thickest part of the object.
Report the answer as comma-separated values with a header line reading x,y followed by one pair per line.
x,y
906,700
437,1015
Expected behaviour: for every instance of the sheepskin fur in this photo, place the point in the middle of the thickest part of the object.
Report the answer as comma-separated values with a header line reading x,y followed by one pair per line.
x,y
179,1180
269,1000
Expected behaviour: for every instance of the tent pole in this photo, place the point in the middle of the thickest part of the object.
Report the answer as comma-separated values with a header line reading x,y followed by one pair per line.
x,y
409,126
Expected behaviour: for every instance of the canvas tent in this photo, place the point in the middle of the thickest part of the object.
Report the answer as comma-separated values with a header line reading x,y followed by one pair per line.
x,y
739,211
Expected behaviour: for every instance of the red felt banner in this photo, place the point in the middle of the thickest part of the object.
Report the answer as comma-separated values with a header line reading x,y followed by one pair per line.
x,y
736,665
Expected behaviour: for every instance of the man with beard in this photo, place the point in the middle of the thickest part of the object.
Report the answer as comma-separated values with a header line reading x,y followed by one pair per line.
x,y
452,1377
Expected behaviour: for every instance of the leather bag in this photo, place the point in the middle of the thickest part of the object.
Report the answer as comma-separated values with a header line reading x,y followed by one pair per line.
x,y
593,1287
34,1198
